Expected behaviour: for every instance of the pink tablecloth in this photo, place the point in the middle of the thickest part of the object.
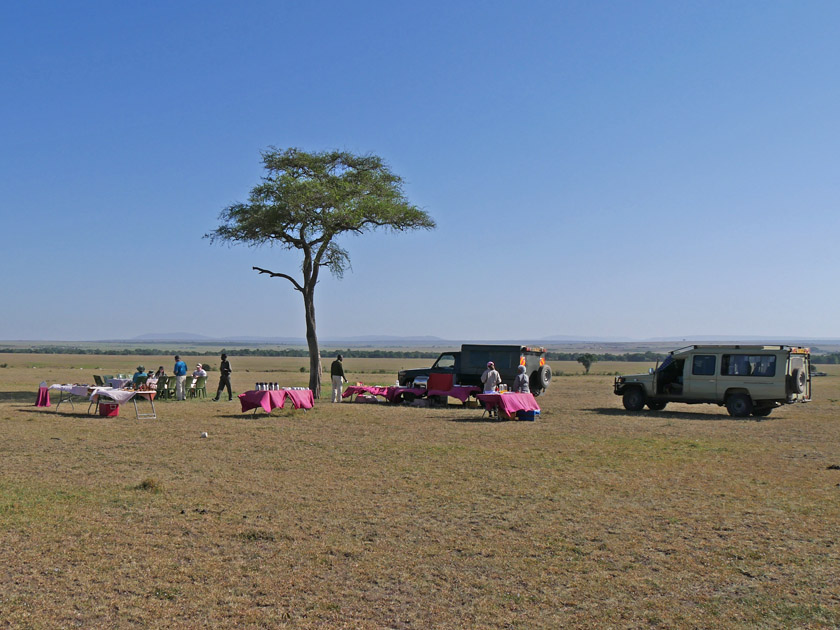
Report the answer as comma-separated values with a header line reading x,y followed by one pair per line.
x,y
461,392
272,399
268,400
376,390
509,403
43,397
301,398
396,394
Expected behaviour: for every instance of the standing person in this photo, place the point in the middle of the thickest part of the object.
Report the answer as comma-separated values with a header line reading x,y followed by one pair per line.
x,y
337,374
180,372
520,383
224,379
491,378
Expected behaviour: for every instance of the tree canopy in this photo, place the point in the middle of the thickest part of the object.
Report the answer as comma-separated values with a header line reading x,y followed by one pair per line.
x,y
304,202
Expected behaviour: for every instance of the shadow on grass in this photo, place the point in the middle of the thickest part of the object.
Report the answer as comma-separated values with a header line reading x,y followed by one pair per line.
x,y
669,415
66,411
27,397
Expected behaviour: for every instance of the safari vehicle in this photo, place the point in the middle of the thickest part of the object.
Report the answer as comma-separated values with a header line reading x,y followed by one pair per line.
x,y
468,365
747,379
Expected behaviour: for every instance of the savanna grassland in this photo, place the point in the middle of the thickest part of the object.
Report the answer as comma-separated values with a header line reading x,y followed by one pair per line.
x,y
378,516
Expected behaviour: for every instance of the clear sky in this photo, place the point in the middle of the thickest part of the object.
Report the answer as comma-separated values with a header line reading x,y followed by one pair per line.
x,y
602,169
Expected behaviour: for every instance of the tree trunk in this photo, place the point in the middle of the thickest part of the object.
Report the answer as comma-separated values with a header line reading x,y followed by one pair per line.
x,y
312,342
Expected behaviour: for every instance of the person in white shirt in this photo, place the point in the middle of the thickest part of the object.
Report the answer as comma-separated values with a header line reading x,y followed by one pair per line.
x,y
491,378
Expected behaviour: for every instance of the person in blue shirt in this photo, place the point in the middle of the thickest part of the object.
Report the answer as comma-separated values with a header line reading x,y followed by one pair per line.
x,y
139,376
180,372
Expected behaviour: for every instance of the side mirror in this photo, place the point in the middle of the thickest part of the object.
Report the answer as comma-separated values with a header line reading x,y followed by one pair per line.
x,y
650,370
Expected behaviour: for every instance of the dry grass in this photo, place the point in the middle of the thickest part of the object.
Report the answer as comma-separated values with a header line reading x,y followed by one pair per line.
x,y
373,516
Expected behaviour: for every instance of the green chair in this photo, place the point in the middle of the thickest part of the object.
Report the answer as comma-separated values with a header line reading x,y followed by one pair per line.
x,y
98,380
106,378
171,382
199,390
161,387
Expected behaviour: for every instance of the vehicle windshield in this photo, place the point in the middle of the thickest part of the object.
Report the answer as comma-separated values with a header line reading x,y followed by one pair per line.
x,y
445,362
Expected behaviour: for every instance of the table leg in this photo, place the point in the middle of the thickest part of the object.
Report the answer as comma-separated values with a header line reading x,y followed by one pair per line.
x,y
65,397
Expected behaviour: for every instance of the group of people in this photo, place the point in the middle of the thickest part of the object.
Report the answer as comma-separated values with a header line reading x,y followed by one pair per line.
x,y
491,379
179,371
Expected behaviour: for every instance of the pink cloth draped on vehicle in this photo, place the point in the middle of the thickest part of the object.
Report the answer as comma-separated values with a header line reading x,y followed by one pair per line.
x,y
276,398
461,392
509,403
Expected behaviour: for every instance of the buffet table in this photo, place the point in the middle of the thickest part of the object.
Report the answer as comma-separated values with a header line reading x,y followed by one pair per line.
x,y
120,396
273,399
67,392
509,403
392,393
461,392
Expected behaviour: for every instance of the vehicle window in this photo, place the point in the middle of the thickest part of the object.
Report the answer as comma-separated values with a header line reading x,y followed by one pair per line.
x,y
445,362
748,365
703,365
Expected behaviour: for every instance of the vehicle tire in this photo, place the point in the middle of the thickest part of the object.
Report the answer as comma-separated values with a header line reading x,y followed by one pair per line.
x,y
544,377
633,399
798,380
656,405
739,405
408,397
760,412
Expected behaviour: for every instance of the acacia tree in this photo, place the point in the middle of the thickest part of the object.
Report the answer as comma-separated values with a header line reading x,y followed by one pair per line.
x,y
305,201
586,360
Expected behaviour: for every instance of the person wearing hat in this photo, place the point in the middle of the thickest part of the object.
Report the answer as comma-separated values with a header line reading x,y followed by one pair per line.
x,y
520,383
338,378
199,371
139,376
491,378
180,372
224,379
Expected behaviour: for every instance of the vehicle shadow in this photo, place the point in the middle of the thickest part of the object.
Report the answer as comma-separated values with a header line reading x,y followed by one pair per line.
x,y
670,415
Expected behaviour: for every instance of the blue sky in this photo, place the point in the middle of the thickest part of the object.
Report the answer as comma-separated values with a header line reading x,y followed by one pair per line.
x,y
603,169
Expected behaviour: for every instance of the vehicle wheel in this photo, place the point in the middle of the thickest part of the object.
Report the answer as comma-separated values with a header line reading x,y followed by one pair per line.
x,y
544,376
798,380
739,405
656,405
762,411
633,399
408,397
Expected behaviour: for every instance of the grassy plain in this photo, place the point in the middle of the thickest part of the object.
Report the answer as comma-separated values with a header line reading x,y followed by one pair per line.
x,y
375,516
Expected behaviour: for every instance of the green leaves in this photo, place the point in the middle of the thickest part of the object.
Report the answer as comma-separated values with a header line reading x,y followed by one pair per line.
x,y
307,199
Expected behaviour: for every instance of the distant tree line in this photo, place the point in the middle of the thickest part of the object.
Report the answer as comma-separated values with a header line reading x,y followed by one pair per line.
x,y
832,358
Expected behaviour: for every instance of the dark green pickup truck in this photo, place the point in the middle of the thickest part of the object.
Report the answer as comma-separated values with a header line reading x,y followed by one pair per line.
x,y
468,365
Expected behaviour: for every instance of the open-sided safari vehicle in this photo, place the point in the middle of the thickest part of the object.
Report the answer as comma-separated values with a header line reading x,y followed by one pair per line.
x,y
747,379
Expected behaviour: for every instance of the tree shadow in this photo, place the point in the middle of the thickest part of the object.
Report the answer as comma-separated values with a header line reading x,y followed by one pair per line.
x,y
25,397
667,415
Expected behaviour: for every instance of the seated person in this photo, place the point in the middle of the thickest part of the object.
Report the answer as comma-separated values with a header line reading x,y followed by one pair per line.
x,y
139,376
198,372
520,383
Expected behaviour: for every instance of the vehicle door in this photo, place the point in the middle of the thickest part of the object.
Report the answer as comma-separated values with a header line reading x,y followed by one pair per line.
x,y
701,376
